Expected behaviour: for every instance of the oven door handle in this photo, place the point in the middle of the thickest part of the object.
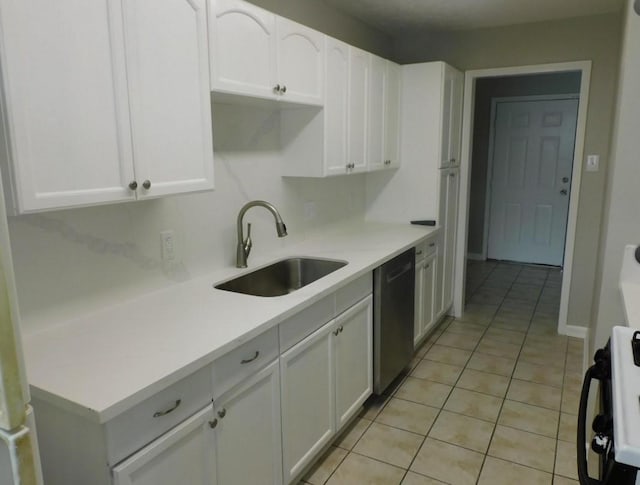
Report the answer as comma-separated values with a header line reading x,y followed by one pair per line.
x,y
583,473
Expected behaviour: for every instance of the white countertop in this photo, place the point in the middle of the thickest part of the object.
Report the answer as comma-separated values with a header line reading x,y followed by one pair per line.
x,y
102,364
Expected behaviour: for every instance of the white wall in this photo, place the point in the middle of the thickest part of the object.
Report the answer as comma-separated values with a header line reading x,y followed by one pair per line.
x,y
74,261
594,38
622,209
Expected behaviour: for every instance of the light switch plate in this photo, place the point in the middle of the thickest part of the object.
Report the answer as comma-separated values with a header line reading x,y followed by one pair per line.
x,y
593,163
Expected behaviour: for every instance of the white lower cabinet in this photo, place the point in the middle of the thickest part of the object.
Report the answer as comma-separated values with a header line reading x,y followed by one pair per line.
x,y
308,409
353,360
428,289
325,380
183,455
251,416
247,427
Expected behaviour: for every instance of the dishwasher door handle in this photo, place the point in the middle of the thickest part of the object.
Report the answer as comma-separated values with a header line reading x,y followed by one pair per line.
x,y
396,274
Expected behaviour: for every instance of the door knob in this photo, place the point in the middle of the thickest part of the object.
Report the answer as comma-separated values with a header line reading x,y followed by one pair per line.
x,y
563,191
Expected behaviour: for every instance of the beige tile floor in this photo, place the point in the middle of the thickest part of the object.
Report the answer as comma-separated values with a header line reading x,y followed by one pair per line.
x,y
490,398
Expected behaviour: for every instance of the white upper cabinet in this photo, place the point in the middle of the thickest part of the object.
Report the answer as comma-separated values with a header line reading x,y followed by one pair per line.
x,y
452,87
168,74
103,96
336,107
392,116
300,54
359,73
65,107
242,48
377,121
384,105
258,54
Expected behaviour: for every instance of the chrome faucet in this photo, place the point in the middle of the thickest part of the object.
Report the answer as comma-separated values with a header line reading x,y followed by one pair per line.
x,y
244,245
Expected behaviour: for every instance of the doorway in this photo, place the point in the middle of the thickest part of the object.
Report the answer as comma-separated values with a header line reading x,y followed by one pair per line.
x,y
574,78
529,178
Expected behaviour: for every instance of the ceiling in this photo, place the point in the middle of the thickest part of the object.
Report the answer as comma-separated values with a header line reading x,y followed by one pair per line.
x,y
398,17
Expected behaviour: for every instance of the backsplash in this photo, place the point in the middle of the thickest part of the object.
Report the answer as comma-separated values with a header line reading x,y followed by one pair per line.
x,y
74,262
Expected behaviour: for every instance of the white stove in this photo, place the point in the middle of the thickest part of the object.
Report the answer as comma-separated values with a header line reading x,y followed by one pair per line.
x,y
625,383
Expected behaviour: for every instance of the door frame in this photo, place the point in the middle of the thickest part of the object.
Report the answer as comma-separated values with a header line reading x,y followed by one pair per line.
x,y
489,175
584,67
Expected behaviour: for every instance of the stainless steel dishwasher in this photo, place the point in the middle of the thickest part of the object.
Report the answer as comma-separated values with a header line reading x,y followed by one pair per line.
x,y
393,302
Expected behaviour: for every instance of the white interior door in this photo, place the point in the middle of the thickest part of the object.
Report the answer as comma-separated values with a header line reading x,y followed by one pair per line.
x,y
531,180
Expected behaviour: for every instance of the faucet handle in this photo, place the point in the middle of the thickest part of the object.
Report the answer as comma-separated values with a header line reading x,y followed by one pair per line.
x,y
247,243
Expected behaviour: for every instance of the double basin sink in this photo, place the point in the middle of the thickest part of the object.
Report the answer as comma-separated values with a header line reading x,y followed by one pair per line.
x,y
282,277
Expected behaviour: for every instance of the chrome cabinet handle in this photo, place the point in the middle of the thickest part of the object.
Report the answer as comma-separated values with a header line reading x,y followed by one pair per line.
x,y
246,361
336,331
133,185
159,414
214,423
222,413
146,184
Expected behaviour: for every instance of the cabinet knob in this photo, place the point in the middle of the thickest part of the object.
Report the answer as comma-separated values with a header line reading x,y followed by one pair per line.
x,y
336,331
432,244
213,424
284,89
452,175
146,184
277,88
133,185
452,160
222,413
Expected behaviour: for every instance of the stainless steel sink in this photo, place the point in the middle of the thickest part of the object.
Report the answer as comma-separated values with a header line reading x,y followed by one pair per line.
x,y
282,277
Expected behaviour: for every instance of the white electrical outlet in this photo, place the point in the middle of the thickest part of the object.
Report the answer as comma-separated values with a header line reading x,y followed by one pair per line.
x,y
168,245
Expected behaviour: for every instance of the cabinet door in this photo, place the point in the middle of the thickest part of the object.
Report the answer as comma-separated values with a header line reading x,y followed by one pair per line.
x,y
353,342
186,454
308,400
392,115
450,218
377,122
428,293
418,326
457,87
66,104
300,54
359,72
168,65
336,106
451,116
249,444
242,48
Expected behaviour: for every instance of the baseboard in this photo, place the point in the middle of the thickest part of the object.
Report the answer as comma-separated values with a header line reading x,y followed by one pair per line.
x,y
475,256
574,331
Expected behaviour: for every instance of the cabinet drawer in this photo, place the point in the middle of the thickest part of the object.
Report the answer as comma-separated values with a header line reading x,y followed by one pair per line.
x,y
296,328
426,248
240,363
156,415
349,295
